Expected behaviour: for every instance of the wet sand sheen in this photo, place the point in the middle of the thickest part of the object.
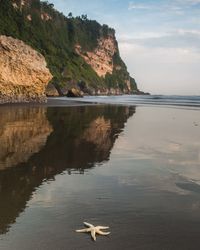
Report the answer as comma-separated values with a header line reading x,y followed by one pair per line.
x,y
134,169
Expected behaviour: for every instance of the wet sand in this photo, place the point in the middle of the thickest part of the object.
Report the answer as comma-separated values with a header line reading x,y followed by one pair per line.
x,y
136,169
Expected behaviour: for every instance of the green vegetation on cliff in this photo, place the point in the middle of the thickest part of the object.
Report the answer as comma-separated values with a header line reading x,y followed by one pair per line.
x,y
55,36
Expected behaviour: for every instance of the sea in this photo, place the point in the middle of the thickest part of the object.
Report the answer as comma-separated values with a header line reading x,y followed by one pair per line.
x,y
167,100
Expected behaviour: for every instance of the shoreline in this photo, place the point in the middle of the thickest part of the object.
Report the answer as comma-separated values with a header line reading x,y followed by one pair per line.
x,y
51,102
181,102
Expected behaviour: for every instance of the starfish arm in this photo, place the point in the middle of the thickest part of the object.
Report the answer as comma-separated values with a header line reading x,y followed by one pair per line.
x,y
93,234
85,230
101,227
88,224
102,233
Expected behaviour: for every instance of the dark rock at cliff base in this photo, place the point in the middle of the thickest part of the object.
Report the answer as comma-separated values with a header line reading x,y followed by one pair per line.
x,y
74,93
142,93
51,90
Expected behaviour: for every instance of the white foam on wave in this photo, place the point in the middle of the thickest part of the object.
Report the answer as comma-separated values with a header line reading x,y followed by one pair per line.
x,y
187,101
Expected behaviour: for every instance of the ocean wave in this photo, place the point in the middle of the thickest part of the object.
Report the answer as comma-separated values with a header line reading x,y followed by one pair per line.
x,y
173,100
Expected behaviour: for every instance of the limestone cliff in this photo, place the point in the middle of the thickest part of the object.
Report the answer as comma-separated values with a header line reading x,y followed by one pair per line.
x,y
105,60
23,72
101,59
80,53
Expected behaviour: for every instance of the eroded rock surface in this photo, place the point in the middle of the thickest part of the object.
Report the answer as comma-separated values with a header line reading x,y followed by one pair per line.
x,y
23,72
101,59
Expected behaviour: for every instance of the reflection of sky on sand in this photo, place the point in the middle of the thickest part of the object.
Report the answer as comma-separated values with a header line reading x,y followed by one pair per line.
x,y
163,146
150,180
158,150
63,188
153,168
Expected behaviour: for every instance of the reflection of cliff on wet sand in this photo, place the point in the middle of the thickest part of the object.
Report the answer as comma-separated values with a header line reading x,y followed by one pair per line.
x,y
81,137
23,132
98,133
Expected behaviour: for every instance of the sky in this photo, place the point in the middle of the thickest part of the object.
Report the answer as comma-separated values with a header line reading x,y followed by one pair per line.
x,y
159,40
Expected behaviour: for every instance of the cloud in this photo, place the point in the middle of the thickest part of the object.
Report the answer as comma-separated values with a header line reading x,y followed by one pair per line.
x,y
187,31
175,6
163,69
179,39
188,2
141,54
138,6
155,8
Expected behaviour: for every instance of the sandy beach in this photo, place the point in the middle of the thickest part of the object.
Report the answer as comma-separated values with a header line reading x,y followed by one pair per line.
x,y
133,168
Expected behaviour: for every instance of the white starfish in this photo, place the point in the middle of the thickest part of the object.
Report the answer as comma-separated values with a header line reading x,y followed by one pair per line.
x,y
93,230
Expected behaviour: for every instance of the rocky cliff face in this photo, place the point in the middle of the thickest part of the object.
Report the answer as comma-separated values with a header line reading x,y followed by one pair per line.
x,y
83,54
105,60
101,59
23,72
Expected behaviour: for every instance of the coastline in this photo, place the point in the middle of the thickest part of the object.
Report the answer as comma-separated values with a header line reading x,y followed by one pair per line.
x,y
187,102
51,102
190,102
